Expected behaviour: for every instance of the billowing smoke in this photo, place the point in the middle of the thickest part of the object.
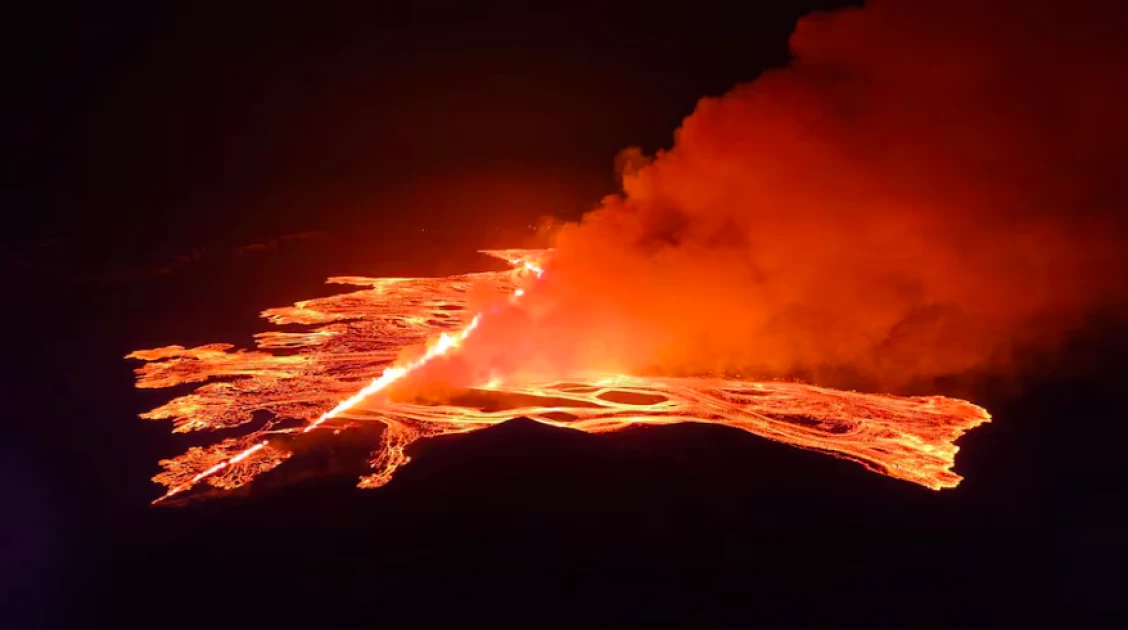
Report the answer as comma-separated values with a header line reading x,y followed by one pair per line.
x,y
926,189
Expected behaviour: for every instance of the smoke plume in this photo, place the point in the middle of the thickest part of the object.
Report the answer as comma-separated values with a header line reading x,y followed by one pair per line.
x,y
927,188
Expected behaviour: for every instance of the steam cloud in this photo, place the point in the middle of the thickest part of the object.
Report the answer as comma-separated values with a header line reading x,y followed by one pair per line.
x,y
927,187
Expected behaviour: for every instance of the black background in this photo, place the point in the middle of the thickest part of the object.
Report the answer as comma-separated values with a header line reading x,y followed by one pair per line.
x,y
148,147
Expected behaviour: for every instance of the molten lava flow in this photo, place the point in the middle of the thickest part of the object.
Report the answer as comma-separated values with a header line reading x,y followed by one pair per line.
x,y
341,369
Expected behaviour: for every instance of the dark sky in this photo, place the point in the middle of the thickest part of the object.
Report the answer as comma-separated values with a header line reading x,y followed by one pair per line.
x,y
182,126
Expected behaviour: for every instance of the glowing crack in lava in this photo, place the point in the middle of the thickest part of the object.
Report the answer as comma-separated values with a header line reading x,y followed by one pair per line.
x,y
335,375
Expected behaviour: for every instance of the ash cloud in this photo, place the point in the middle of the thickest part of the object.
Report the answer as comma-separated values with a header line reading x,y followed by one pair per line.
x,y
927,188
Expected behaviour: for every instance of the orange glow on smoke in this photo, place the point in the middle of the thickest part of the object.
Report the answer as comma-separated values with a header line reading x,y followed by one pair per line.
x,y
342,371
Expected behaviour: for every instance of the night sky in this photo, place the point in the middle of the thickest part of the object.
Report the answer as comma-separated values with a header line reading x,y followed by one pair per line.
x,y
183,127
171,171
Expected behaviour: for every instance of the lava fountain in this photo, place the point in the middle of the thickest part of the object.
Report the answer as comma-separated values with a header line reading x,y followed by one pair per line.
x,y
339,371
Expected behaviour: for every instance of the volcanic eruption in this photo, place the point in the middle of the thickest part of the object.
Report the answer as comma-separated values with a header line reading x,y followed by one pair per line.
x,y
352,360
890,208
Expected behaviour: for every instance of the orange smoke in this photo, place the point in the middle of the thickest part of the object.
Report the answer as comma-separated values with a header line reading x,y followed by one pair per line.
x,y
926,188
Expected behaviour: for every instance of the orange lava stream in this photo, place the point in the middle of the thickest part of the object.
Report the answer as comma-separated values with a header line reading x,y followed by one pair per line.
x,y
393,374
341,368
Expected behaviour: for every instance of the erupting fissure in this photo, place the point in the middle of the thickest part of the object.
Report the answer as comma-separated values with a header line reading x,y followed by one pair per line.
x,y
360,335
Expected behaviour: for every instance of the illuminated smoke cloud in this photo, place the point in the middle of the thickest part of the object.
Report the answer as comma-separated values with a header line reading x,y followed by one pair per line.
x,y
927,187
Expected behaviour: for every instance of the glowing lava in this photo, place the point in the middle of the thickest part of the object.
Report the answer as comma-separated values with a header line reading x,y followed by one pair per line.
x,y
340,370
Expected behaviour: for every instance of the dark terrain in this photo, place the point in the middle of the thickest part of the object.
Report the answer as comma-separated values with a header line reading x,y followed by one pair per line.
x,y
684,524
